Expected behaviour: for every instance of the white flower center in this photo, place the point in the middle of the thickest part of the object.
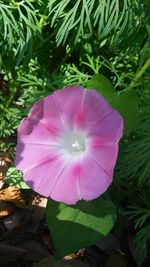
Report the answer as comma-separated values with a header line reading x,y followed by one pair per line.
x,y
74,143
77,146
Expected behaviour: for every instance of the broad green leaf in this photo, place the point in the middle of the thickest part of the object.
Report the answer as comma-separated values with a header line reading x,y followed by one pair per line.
x,y
102,85
74,227
15,178
124,102
128,108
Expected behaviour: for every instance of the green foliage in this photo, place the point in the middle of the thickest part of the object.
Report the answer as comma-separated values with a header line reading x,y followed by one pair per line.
x,y
74,76
136,156
74,227
126,104
15,178
140,215
142,243
19,21
9,121
10,114
102,85
81,19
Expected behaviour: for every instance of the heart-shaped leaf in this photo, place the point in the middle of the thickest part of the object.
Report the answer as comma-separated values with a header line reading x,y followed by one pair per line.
x,y
74,227
102,85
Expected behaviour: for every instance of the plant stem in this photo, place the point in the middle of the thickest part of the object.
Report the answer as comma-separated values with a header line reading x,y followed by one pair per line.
x,y
140,72
143,69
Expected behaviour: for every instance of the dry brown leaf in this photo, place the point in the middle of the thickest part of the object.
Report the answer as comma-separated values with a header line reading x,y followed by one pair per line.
x,y
14,195
6,208
1,184
39,201
4,165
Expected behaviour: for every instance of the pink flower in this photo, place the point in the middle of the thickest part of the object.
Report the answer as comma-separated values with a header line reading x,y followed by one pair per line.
x,y
67,146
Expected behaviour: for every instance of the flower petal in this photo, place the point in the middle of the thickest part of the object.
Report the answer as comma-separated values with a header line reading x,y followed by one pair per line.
x,y
69,102
109,129
45,111
80,181
93,181
31,155
93,109
43,177
36,133
67,187
96,117
105,154
53,178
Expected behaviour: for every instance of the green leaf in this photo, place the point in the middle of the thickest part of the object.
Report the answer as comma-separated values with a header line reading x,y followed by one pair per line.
x,y
74,227
15,178
102,85
73,20
128,108
124,102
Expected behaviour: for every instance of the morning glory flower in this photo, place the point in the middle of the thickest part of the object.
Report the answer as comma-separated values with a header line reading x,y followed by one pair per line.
x,y
68,145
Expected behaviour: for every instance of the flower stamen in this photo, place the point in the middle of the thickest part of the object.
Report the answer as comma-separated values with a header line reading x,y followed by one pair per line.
x,y
77,146
74,143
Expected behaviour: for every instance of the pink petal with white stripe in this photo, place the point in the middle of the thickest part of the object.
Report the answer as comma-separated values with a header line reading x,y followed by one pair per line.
x,y
93,179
